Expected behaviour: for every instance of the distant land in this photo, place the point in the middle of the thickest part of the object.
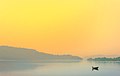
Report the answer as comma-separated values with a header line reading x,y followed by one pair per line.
x,y
100,56
104,59
8,53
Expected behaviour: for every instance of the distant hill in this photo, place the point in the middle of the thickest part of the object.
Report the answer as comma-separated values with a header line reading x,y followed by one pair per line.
x,y
104,59
8,53
101,56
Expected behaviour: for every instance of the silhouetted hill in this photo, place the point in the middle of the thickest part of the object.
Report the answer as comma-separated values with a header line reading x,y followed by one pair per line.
x,y
104,59
101,56
23,54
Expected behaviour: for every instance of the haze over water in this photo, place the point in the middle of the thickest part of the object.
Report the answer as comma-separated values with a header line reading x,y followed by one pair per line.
x,y
83,68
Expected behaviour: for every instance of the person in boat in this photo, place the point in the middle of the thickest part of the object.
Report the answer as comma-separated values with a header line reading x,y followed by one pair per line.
x,y
95,68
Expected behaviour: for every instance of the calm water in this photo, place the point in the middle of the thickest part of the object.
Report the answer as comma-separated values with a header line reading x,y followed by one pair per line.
x,y
82,68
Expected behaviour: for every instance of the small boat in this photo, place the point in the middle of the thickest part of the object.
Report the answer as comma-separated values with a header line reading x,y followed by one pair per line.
x,y
95,68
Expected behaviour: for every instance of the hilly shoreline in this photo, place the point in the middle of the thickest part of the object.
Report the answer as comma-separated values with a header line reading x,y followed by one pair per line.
x,y
8,53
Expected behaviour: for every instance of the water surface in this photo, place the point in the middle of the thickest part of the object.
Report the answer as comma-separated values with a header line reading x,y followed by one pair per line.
x,y
82,68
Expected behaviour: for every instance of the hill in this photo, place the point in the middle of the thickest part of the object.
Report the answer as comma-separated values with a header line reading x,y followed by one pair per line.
x,y
104,59
8,53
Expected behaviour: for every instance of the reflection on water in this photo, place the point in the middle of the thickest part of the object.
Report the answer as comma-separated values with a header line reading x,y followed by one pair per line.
x,y
82,68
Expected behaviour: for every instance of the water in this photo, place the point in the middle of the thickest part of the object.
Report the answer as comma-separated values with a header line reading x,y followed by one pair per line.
x,y
82,68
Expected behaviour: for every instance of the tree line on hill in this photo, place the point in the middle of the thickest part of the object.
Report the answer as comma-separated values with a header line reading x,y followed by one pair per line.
x,y
104,59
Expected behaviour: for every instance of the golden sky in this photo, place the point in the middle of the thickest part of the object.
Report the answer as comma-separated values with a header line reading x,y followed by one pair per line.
x,y
77,27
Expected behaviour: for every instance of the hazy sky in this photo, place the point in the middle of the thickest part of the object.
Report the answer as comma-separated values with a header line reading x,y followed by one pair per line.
x,y
77,27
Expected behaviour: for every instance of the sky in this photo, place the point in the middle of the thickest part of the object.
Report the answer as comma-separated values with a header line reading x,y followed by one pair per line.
x,y
77,27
